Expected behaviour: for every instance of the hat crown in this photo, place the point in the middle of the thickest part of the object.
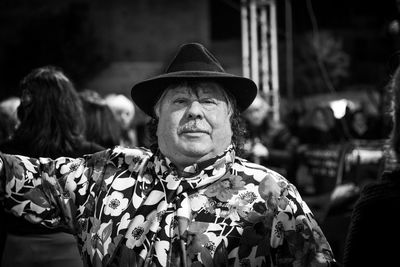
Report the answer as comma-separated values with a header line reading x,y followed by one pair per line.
x,y
194,57
193,62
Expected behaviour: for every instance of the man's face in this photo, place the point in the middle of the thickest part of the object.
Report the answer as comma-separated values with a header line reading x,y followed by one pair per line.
x,y
194,123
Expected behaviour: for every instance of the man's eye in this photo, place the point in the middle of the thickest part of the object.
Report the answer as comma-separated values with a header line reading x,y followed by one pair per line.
x,y
180,101
208,101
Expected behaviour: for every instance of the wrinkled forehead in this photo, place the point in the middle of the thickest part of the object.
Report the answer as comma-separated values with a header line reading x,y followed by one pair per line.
x,y
208,89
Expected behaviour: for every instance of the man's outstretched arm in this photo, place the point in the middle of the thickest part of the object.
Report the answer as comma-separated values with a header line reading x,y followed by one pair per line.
x,y
39,190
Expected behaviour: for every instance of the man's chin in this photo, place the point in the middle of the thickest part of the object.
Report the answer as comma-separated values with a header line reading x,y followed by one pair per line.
x,y
196,150
195,153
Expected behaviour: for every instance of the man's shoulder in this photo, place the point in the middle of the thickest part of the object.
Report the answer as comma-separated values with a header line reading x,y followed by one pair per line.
x,y
132,151
119,156
259,172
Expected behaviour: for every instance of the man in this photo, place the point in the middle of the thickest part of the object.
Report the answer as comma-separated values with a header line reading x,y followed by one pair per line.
x,y
188,202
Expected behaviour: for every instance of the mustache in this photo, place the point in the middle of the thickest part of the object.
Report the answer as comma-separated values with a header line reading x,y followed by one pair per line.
x,y
193,126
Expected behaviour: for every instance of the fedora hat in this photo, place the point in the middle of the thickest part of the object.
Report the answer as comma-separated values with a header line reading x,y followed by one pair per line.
x,y
193,62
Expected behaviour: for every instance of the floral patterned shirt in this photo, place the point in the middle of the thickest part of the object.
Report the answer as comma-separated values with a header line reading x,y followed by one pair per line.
x,y
130,207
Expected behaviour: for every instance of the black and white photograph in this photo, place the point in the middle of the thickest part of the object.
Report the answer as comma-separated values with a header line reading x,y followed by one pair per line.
x,y
199,133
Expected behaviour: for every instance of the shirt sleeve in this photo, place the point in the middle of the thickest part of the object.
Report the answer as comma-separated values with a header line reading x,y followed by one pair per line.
x,y
296,236
46,191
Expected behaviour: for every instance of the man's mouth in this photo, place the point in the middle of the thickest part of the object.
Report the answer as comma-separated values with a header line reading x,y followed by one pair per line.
x,y
193,131
193,128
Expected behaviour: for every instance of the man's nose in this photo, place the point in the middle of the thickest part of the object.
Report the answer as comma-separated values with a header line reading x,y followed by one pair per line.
x,y
195,110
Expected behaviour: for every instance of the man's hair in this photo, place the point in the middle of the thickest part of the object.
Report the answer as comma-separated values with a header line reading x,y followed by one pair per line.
x,y
51,114
237,124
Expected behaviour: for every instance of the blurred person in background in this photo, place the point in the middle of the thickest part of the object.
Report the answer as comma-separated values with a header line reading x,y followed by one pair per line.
x,y
319,152
374,231
102,126
269,143
52,124
190,200
319,126
9,120
7,126
362,125
124,110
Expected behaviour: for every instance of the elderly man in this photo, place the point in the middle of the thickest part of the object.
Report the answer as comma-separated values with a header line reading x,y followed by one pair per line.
x,y
189,201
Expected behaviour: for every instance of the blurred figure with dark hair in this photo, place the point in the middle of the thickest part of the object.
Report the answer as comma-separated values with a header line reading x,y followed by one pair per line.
x,y
102,126
52,125
374,231
51,116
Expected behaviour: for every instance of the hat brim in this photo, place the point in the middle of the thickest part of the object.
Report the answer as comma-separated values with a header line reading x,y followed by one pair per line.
x,y
145,94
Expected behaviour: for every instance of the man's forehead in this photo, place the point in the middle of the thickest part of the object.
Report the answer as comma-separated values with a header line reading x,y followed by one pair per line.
x,y
206,87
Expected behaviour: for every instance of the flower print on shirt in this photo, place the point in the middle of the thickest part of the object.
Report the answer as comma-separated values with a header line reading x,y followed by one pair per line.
x,y
134,160
90,238
17,166
198,202
115,204
256,219
224,190
73,170
139,228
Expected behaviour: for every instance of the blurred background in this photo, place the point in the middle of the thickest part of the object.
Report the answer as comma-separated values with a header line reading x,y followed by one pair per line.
x,y
318,64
